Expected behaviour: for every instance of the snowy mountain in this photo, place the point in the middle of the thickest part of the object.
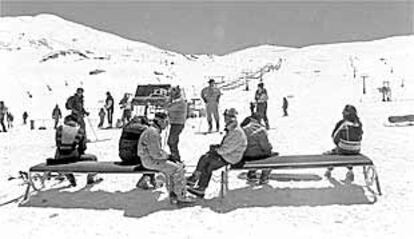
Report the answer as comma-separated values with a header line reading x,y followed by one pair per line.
x,y
46,58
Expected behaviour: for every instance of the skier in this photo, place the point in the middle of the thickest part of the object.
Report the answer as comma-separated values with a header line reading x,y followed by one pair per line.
x,y
128,146
177,114
211,97
3,112
109,106
347,136
56,115
71,146
75,104
127,109
285,106
261,98
10,119
230,151
25,116
155,158
258,146
101,117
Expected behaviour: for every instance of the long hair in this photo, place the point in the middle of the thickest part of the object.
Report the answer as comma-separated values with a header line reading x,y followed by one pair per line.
x,y
350,114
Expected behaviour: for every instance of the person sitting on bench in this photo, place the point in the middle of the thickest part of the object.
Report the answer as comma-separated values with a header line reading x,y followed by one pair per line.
x,y
347,136
258,146
154,157
71,146
128,148
230,151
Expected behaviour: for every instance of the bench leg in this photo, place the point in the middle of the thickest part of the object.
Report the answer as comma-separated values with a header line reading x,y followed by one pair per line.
x,y
224,185
377,183
371,177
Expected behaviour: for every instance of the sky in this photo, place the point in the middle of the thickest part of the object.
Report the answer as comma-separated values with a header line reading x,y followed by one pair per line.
x,y
217,27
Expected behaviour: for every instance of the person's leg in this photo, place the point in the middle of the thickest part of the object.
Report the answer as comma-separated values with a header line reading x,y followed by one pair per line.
x,y
209,119
215,162
216,117
91,177
173,139
265,115
201,165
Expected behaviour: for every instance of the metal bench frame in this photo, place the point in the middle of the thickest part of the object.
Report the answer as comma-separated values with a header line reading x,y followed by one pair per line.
x,y
307,161
38,174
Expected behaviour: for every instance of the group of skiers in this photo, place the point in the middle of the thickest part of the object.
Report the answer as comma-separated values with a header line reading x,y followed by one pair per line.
x,y
140,142
5,114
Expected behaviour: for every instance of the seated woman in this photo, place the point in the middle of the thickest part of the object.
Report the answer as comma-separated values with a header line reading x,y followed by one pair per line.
x,y
71,146
347,136
258,146
230,151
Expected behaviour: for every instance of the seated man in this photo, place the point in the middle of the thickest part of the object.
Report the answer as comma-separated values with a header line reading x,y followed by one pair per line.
x,y
347,136
258,146
71,146
230,151
154,157
128,148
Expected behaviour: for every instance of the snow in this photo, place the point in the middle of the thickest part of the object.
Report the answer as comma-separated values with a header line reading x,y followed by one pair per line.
x,y
318,81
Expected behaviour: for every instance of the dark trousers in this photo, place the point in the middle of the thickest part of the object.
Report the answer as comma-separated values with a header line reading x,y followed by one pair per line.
x,y
173,139
206,165
110,113
285,113
2,124
101,121
262,112
56,122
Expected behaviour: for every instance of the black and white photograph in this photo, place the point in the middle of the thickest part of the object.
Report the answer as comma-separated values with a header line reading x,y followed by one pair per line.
x,y
206,119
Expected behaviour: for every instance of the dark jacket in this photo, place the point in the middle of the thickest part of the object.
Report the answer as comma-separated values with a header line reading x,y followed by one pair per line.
x,y
258,144
70,144
75,104
128,143
109,103
347,136
56,114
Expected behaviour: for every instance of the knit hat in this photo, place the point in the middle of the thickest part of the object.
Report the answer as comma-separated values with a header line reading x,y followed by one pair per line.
x,y
232,112
211,81
160,115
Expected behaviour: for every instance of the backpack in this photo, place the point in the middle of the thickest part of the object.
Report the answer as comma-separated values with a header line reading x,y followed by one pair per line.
x,y
69,102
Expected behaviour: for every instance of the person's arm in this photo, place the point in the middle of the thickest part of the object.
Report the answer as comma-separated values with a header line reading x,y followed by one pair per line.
x,y
203,95
230,143
218,94
264,143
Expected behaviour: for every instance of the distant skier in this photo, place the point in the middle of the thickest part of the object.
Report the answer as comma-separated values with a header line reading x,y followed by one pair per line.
x,y
177,114
75,104
10,119
285,106
109,106
101,117
127,109
25,116
3,113
211,97
56,115
347,136
261,98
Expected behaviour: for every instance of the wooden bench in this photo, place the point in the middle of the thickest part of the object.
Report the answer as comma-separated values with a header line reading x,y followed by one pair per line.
x,y
308,161
37,174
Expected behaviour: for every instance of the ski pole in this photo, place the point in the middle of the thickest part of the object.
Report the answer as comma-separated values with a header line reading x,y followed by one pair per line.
x,y
90,125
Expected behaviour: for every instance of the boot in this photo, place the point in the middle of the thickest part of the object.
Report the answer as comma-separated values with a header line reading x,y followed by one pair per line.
x,y
144,183
197,191
328,173
71,179
193,179
264,177
90,179
251,176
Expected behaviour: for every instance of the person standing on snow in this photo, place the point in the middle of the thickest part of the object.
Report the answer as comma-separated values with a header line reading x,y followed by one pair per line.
x,y
109,106
75,104
127,109
211,96
3,113
56,115
285,106
177,114
101,117
25,116
10,119
261,98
